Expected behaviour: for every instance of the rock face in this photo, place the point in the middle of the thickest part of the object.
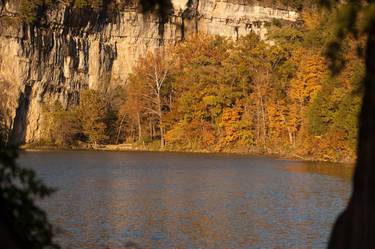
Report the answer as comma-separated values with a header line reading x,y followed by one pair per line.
x,y
72,49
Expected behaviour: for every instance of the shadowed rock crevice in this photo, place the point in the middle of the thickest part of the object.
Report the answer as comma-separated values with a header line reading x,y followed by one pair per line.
x,y
18,133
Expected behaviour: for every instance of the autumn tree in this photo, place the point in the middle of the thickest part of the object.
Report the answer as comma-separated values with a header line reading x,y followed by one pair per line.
x,y
147,89
311,71
237,129
59,125
91,113
253,60
132,111
201,91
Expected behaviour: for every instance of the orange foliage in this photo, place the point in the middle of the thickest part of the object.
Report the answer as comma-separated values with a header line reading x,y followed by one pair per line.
x,y
311,71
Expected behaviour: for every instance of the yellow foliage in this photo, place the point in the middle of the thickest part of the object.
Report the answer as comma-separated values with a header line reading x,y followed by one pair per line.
x,y
311,71
311,19
236,127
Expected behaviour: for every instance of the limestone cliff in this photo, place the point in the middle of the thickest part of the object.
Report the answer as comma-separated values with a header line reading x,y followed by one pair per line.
x,y
71,49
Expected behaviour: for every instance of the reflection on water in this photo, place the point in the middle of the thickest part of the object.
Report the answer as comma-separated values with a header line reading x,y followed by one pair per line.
x,y
170,200
343,171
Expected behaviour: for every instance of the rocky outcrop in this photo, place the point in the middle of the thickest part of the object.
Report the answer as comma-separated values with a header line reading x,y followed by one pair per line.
x,y
71,49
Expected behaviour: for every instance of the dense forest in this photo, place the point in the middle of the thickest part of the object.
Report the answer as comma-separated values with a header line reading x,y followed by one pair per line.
x,y
215,94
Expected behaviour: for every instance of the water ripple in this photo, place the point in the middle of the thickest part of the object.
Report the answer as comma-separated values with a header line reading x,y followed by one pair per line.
x,y
159,200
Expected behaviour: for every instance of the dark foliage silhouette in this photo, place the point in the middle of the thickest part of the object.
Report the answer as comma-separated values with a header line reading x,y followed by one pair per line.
x,y
355,227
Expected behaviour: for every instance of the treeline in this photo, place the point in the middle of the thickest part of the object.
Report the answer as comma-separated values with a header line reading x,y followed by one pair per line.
x,y
214,94
89,122
32,10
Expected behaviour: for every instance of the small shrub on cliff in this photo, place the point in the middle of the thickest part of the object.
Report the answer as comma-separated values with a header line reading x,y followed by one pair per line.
x,y
81,3
29,9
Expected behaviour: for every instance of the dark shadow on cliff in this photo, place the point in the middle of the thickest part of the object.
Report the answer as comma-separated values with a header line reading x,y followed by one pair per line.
x,y
18,134
94,20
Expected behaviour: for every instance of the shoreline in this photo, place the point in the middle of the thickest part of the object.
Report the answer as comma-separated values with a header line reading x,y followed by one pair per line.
x,y
122,148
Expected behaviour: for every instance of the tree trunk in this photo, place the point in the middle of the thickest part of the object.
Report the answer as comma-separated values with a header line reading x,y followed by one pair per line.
x,y
162,142
132,133
139,127
264,112
119,129
7,238
288,129
355,227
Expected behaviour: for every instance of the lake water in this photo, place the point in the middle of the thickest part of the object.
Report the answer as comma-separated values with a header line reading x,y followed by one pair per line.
x,y
177,200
